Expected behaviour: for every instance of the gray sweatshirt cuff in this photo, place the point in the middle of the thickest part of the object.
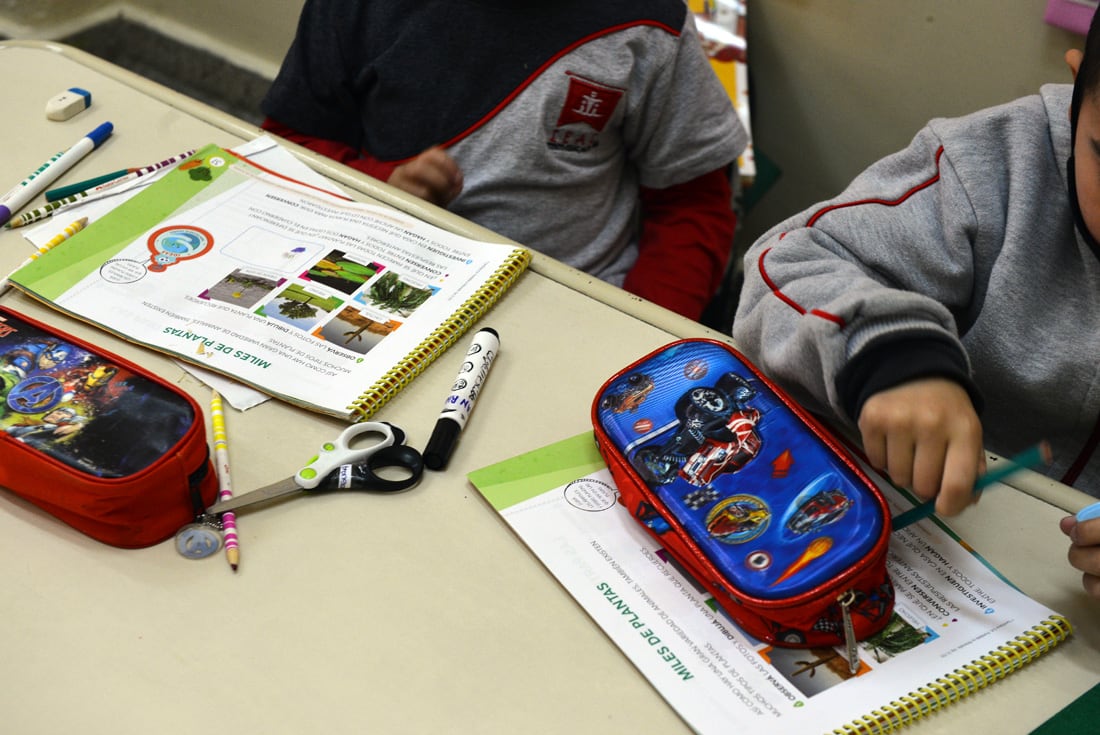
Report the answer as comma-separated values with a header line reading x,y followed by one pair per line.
x,y
894,360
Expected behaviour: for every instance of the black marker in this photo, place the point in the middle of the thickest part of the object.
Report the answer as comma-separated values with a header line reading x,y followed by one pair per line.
x,y
467,386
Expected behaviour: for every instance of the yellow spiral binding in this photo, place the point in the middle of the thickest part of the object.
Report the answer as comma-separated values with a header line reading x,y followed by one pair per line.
x,y
445,335
964,681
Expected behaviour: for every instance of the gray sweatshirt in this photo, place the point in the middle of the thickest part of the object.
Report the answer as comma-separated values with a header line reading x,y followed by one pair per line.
x,y
959,257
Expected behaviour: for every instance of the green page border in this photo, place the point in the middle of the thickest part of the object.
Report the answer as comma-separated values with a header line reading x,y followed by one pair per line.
x,y
523,477
59,269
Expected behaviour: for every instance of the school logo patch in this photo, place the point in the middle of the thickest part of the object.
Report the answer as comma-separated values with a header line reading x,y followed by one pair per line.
x,y
588,107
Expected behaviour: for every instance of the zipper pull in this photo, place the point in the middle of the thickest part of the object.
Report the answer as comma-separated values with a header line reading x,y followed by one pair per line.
x,y
845,601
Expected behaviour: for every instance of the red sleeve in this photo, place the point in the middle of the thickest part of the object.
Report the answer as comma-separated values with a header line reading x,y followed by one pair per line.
x,y
345,154
685,243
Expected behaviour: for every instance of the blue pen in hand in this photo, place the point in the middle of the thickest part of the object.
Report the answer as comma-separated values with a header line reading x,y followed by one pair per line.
x,y
1088,512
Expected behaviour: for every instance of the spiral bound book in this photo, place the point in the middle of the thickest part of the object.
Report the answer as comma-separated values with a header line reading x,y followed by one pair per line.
x,y
957,626
327,303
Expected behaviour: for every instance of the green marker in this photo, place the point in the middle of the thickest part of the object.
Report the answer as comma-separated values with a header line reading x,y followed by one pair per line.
x,y
1037,455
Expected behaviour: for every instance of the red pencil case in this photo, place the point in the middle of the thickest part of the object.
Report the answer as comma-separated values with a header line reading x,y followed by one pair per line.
x,y
749,494
97,441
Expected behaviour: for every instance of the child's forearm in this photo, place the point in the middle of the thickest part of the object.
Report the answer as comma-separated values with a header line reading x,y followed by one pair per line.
x,y
685,243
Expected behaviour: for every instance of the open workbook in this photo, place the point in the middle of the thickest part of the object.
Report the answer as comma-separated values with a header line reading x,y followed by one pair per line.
x,y
324,302
957,626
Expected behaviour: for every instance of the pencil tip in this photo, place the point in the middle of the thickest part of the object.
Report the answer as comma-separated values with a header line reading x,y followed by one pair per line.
x,y
234,566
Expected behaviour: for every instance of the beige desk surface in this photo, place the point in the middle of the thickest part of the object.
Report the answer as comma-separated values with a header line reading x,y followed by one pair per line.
x,y
352,613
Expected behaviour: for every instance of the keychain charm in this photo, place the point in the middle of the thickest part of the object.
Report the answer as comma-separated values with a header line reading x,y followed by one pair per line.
x,y
200,539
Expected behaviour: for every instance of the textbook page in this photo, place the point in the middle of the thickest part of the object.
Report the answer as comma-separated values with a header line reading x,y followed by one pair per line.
x,y
262,150
295,291
950,610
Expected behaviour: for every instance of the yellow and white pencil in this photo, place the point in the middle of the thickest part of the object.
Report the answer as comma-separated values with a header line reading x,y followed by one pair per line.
x,y
53,242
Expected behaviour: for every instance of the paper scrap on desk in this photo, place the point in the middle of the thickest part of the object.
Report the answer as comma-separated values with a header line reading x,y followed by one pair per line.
x,y
263,150
237,395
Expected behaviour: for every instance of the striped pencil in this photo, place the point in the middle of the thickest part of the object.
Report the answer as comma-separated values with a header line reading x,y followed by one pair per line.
x,y
81,197
53,242
45,211
225,486
90,195
166,162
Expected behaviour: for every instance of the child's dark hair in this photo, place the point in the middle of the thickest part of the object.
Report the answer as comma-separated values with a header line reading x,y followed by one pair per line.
x,y
1087,80
1088,76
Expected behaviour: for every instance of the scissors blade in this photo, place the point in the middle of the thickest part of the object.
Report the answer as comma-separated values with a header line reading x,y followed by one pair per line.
x,y
268,492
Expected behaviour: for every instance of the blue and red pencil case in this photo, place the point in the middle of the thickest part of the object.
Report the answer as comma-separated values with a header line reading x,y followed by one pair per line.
x,y
749,494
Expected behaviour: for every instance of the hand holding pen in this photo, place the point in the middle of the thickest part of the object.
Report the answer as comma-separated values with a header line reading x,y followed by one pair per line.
x,y
1083,530
1033,457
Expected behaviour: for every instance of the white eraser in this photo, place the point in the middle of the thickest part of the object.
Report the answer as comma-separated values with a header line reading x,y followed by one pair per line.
x,y
68,103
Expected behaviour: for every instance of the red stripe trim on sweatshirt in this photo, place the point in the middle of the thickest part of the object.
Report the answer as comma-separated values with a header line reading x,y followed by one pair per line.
x,y
832,208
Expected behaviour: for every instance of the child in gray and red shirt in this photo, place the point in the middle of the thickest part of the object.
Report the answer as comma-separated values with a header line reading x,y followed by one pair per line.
x,y
596,133
959,275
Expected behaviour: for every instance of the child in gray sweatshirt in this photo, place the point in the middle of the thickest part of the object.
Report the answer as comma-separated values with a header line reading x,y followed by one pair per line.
x,y
956,277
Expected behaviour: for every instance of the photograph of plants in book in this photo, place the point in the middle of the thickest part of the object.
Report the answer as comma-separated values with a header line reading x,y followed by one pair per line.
x,y
393,295
353,330
299,307
341,273
242,289
897,637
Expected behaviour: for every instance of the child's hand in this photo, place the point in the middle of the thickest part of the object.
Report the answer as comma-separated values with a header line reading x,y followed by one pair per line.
x,y
1084,553
433,175
926,436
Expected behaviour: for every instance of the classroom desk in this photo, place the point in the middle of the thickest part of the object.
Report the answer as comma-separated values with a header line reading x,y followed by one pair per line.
x,y
418,612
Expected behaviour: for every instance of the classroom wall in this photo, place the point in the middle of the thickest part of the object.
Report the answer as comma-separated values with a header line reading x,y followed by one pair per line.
x,y
21,18
257,30
836,84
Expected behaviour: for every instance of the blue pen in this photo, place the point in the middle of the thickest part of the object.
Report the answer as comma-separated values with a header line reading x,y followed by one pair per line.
x,y
54,169
1088,512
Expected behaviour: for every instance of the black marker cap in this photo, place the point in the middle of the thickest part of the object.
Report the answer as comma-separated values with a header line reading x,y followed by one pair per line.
x,y
441,444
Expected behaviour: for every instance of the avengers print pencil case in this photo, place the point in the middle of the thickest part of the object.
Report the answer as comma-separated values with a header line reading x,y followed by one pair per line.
x,y
749,494
98,442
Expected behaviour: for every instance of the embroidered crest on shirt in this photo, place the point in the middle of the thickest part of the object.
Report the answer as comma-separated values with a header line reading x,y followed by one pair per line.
x,y
588,107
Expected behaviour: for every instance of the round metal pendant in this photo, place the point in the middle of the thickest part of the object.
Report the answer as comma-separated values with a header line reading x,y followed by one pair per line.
x,y
198,540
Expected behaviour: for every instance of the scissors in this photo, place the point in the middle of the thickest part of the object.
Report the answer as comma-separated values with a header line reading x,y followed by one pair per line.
x,y
339,466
